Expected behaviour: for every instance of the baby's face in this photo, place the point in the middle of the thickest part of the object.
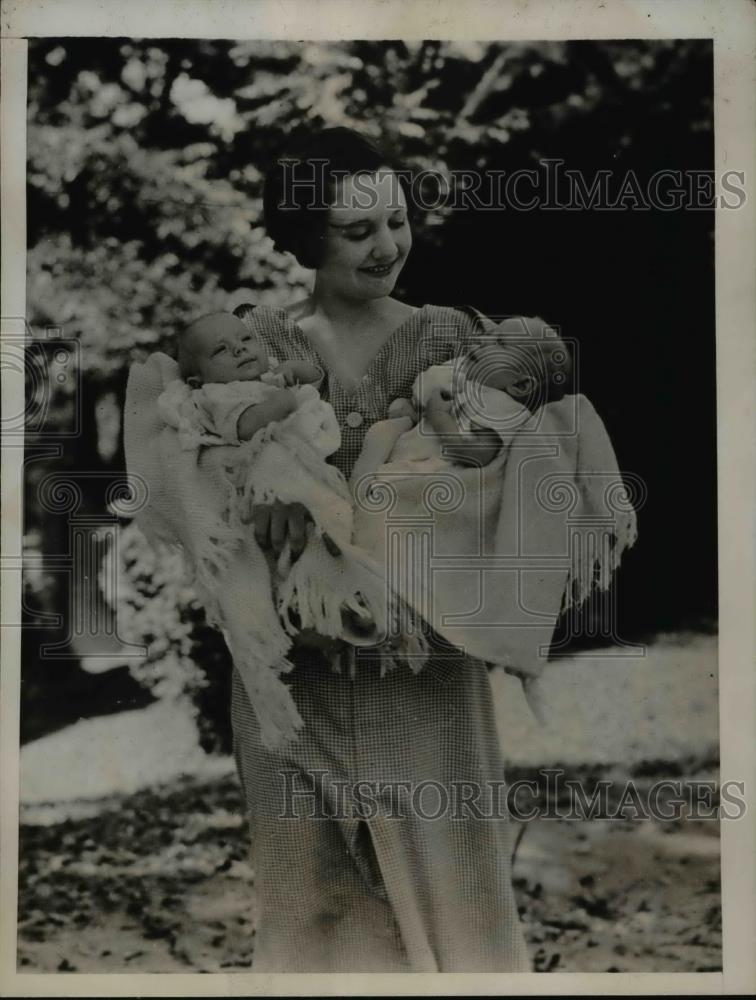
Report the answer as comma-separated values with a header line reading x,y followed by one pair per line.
x,y
223,350
500,366
532,372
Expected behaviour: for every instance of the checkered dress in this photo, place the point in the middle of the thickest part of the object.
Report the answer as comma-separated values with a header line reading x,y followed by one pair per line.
x,y
405,880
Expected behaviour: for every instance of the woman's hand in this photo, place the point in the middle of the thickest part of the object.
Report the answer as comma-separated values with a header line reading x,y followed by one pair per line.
x,y
275,524
402,408
313,640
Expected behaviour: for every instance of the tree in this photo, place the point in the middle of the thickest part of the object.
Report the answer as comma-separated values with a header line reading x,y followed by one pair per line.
x,y
145,172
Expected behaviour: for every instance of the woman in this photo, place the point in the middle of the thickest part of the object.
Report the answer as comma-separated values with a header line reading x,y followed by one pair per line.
x,y
386,887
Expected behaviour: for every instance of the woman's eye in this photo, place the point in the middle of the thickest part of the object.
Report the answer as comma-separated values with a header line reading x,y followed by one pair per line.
x,y
362,234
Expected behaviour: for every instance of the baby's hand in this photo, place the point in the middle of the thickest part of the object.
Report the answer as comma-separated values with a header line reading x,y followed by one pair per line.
x,y
287,369
402,408
439,402
299,373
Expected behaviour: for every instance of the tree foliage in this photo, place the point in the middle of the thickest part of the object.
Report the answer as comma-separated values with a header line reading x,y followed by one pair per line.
x,y
145,158
145,165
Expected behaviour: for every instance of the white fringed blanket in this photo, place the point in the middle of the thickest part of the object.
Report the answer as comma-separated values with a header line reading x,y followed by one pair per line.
x,y
489,556
194,498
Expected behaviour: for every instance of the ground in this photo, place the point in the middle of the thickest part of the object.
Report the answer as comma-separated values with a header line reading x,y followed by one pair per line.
x,y
161,884
133,850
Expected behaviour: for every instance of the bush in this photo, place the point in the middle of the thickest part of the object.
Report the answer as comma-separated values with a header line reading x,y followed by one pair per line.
x,y
184,658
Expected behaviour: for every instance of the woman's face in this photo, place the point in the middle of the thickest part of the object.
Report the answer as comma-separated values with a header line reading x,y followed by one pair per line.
x,y
367,236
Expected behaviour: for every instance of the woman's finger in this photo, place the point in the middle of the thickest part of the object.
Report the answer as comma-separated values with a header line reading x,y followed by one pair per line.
x,y
297,525
279,520
331,546
261,522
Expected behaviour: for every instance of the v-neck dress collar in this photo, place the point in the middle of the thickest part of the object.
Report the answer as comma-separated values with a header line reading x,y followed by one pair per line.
x,y
430,335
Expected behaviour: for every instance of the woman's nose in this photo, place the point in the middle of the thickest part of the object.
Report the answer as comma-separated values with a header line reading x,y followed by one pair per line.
x,y
385,247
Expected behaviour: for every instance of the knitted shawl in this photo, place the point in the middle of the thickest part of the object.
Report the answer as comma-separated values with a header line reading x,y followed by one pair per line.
x,y
194,497
490,556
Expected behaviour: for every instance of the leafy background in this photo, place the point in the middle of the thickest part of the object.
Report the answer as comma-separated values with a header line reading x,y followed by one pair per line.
x,y
144,208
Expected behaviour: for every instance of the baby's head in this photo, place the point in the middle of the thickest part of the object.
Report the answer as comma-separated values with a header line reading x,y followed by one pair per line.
x,y
524,358
218,347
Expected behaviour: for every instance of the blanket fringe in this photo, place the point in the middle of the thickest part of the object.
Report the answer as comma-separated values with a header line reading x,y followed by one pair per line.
x,y
596,556
271,699
320,588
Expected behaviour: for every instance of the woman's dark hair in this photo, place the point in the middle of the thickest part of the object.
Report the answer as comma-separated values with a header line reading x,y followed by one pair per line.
x,y
300,185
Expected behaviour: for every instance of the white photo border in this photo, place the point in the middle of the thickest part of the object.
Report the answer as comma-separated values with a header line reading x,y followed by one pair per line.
x,y
732,26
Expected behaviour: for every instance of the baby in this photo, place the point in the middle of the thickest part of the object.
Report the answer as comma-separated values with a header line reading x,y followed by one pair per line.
x,y
232,389
532,372
469,410
232,393
463,411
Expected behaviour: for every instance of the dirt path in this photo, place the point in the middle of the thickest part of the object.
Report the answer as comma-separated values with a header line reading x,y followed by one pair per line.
x,y
161,884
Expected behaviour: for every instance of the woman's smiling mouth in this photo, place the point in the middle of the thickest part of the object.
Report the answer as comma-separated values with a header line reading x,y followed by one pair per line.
x,y
379,270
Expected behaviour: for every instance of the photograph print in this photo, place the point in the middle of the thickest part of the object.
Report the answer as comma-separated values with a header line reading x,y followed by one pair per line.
x,y
370,507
